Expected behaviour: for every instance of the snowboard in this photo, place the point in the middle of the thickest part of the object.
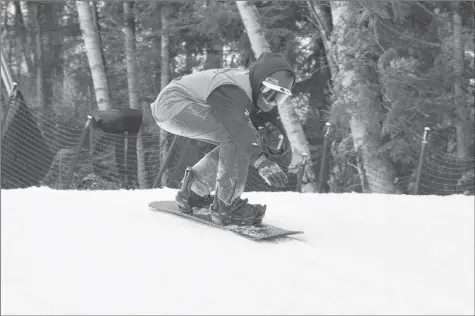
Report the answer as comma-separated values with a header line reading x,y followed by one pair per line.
x,y
256,233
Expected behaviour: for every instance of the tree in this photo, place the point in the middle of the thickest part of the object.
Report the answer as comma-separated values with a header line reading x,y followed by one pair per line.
x,y
287,113
254,29
462,126
94,55
156,48
357,90
132,83
22,30
322,18
34,8
165,78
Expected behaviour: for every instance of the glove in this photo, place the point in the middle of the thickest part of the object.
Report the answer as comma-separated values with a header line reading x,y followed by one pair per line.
x,y
281,150
270,172
271,138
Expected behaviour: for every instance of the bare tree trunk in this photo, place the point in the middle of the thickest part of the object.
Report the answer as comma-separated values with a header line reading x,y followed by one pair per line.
x,y
18,52
156,46
132,83
20,24
165,54
34,16
129,31
357,87
27,13
290,120
461,127
94,56
53,61
254,29
97,29
165,79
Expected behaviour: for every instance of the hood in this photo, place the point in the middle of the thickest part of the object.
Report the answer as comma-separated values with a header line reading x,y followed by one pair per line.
x,y
265,65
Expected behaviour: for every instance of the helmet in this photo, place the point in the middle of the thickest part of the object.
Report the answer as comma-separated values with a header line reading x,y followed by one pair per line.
x,y
275,89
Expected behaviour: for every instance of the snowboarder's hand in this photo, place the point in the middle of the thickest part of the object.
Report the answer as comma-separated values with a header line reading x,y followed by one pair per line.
x,y
270,172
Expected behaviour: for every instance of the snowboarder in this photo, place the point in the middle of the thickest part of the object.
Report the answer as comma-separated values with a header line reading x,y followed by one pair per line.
x,y
222,106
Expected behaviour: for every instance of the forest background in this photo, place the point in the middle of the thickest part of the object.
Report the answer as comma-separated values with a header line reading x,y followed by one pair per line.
x,y
378,71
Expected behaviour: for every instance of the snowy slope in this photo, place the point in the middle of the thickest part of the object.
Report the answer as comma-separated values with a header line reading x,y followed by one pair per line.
x,y
104,252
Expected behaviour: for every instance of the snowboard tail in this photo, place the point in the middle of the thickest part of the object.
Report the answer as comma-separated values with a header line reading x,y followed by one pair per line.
x,y
259,232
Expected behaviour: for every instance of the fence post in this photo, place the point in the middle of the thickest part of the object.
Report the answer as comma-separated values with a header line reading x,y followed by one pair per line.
x,y
421,160
78,151
301,173
89,104
126,149
323,162
60,173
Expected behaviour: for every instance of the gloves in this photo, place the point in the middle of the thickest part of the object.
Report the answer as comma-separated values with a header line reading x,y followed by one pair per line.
x,y
270,172
271,137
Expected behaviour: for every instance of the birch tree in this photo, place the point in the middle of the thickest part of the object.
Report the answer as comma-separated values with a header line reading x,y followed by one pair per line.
x,y
23,44
254,29
34,9
133,86
290,120
94,55
356,88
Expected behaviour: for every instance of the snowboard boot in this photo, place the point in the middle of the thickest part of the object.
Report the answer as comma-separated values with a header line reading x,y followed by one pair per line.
x,y
187,199
240,212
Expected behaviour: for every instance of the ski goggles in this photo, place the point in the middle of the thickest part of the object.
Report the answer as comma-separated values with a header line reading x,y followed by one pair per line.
x,y
274,94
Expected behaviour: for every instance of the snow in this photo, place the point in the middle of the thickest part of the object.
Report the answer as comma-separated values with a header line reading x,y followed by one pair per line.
x,y
105,252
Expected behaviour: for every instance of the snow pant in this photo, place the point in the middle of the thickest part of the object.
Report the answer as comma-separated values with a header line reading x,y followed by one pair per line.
x,y
225,168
